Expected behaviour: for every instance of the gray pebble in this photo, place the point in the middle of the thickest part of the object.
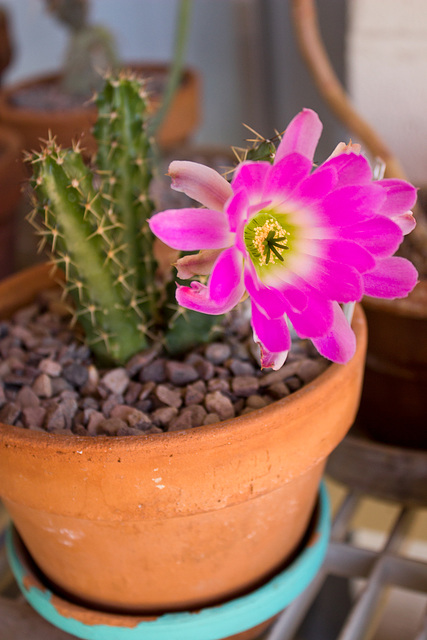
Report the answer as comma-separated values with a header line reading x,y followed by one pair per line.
x,y
76,374
59,385
217,352
110,427
27,398
116,380
42,386
33,417
133,392
130,415
54,418
311,369
219,384
217,402
278,390
211,418
180,373
140,360
171,397
9,413
289,369
182,421
163,416
241,367
244,386
94,418
197,414
50,367
112,401
256,402
69,408
154,372
195,393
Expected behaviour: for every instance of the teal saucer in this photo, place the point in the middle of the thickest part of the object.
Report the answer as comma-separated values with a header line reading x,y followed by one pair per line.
x,y
212,623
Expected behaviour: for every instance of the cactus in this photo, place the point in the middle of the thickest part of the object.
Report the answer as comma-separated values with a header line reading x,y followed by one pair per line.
x,y
91,50
96,224
261,149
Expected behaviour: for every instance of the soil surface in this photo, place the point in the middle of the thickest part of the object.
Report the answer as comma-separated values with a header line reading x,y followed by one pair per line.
x,y
49,381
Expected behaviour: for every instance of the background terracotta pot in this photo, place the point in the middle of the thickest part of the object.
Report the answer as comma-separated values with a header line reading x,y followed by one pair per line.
x,y
11,179
176,520
70,123
393,407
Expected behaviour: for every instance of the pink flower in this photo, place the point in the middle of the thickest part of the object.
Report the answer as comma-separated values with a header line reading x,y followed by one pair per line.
x,y
299,241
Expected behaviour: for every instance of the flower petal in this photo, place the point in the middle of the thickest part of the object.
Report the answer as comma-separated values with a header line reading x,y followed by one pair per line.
x,y
335,282
224,290
237,209
344,252
350,205
315,320
198,264
201,183
339,344
227,276
273,334
400,198
249,177
301,136
192,229
351,169
392,278
379,235
269,300
317,185
285,175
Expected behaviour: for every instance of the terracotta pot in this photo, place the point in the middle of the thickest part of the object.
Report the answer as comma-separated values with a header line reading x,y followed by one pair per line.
x,y
393,407
243,618
176,520
11,179
34,124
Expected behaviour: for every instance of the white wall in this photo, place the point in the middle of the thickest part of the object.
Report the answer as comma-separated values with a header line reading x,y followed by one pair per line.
x,y
387,74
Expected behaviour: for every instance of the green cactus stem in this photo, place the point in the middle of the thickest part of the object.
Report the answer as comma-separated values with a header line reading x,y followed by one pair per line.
x,y
96,223
74,223
124,144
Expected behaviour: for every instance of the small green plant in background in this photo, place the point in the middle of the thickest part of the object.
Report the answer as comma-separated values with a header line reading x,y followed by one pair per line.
x,y
95,220
91,50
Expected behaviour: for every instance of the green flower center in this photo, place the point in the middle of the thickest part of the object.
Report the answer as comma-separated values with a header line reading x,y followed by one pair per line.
x,y
266,240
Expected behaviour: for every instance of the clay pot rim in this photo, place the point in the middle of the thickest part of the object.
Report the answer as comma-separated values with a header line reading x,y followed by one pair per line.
x,y
414,305
66,443
17,112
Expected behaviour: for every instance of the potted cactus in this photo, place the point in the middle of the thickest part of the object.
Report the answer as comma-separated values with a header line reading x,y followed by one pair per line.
x,y
62,102
144,519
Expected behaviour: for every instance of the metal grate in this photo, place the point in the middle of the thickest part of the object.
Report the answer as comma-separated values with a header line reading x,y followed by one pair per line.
x,y
379,570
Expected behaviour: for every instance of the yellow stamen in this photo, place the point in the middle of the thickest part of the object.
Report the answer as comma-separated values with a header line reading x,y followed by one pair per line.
x,y
260,244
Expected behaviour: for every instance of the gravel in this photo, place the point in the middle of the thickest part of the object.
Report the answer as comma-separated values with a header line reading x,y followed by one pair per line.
x,y
49,382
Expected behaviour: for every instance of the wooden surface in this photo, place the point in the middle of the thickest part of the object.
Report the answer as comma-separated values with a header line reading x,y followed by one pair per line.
x,y
382,471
